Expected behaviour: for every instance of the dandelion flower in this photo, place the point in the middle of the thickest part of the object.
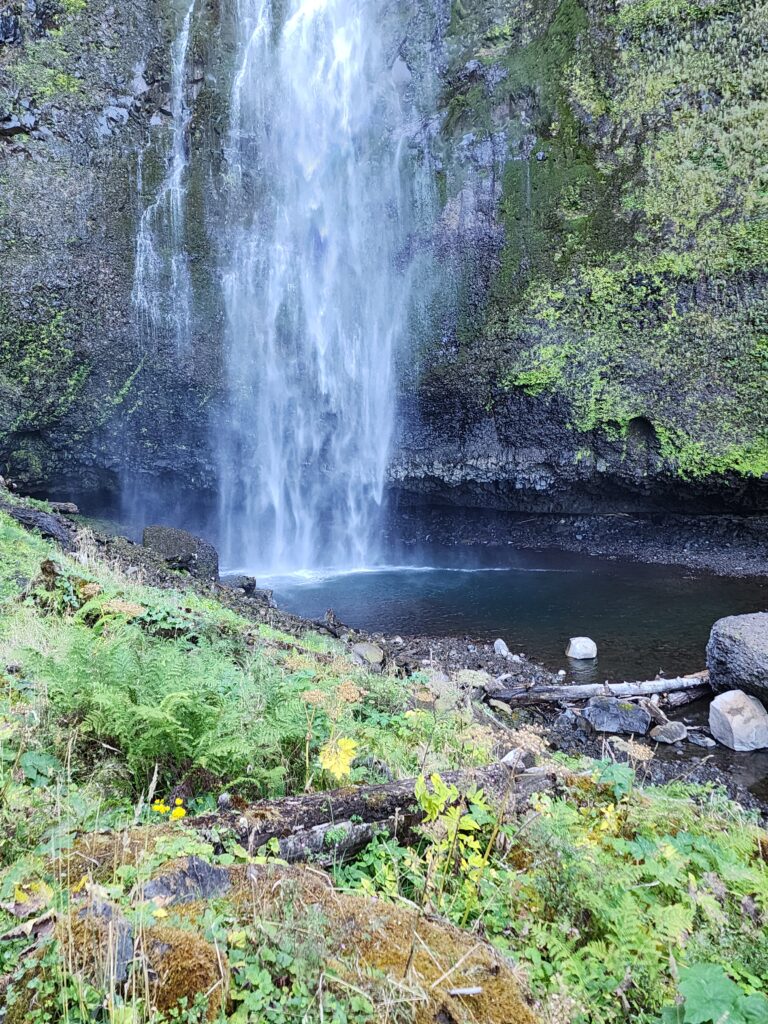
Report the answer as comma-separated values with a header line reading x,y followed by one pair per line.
x,y
177,813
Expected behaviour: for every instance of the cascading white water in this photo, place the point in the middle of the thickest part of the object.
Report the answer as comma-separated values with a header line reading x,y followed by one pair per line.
x,y
162,285
317,280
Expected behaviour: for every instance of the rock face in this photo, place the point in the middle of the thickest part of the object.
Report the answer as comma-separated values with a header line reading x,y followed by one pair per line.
x,y
739,721
737,654
182,550
581,648
609,714
568,309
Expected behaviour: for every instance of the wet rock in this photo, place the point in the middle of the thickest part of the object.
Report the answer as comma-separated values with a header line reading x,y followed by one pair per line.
x,y
369,655
739,721
64,508
185,882
737,654
182,550
670,732
10,28
700,739
581,648
50,526
500,648
247,584
609,714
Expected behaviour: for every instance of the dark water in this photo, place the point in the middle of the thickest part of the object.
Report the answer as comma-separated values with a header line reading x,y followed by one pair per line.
x,y
644,619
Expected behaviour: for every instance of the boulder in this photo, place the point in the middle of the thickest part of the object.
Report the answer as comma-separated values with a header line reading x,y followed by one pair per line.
x,y
519,759
669,732
247,584
500,648
64,508
581,648
609,714
737,654
739,721
369,655
182,550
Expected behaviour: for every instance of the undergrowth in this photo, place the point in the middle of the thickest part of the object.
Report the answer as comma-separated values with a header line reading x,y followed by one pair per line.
x,y
125,709
609,896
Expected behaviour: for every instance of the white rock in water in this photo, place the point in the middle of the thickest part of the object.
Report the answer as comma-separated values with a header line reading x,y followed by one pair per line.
x,y
500,648
739,721
581,648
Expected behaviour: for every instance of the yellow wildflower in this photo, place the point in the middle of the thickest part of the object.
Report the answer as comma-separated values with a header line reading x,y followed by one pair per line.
x,y
160,807
178,801
177,813
337,756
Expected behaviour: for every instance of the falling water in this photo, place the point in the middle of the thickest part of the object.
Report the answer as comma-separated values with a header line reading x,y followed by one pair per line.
x,y
317,280
162,286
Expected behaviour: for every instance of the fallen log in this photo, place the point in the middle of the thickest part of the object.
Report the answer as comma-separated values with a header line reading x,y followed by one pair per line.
x,y
328,827
583,691
51,526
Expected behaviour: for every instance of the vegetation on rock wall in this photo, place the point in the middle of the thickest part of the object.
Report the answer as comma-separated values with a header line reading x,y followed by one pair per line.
x,y
634,199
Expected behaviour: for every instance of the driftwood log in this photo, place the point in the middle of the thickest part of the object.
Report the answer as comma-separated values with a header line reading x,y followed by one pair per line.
x,y
578,691
329,827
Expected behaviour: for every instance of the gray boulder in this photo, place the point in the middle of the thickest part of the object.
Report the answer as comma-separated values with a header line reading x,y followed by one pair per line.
x,y
500,648
182,550
737,654
581,648
669,732
368,655
609,714
739,721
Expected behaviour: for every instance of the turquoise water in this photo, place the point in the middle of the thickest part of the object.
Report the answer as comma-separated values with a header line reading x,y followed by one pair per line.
x,y
644,619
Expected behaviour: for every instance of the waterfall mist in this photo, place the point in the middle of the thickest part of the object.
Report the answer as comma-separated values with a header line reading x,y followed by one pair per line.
x,y
323,195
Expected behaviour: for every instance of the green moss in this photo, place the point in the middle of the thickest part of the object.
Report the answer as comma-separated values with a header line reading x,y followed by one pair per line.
x,y
634,278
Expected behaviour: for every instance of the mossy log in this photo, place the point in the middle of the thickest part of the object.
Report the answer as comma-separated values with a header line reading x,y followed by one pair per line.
x,y
327,827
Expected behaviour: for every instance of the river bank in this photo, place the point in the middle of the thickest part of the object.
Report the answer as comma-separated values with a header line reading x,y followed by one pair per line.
x,y
457,668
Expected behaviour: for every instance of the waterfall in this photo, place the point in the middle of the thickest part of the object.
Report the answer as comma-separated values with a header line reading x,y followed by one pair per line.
x,y
162,285
317,280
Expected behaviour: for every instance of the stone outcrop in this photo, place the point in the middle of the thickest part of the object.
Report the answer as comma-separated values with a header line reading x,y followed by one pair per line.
x,y
182,550
737,654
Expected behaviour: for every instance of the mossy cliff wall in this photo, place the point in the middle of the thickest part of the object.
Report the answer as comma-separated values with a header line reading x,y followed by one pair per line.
x,y
598,331
87,402
605,243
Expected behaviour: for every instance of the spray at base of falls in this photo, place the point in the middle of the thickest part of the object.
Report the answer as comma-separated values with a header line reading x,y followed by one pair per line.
x,y
322,203
162,285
